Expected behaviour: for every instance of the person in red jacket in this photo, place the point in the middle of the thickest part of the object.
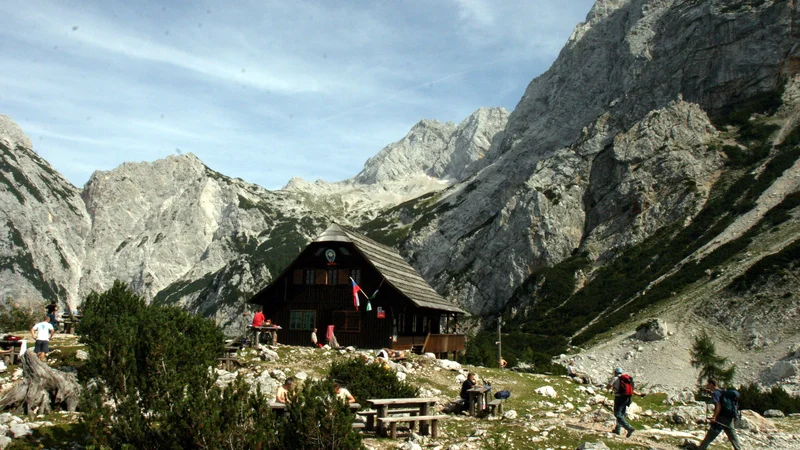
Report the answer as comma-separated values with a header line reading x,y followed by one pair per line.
x,y
258,320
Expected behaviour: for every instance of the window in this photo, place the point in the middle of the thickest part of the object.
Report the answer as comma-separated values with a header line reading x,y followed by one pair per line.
x,y
308,276
302,320
355,274
347,321
413,323
333,276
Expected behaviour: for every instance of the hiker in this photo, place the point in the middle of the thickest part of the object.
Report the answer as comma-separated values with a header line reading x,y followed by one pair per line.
x,y
387,353
332,342
281,395
622,386
314,340
343,394
725,411
258,320
468,384
42,332
503,363
51,313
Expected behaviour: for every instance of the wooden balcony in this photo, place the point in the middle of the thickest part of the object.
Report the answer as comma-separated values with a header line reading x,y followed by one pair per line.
x,y
439,344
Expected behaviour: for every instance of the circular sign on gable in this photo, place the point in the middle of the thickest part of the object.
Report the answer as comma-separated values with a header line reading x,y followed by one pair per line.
x,y
330,255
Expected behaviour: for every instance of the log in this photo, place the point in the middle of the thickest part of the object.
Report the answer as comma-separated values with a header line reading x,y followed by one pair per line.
x,y
41,387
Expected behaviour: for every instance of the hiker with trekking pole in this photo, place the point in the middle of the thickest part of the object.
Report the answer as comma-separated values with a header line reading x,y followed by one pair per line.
x,y
622,386
726,408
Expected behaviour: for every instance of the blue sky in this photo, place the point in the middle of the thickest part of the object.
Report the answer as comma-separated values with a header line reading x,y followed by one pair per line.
x,y
263,90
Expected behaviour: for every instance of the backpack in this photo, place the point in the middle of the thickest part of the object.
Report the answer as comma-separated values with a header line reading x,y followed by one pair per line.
x,y
730,403
625,385
502,395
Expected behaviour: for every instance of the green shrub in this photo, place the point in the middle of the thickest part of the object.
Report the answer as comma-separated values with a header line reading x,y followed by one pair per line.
x,y
755,399
369,380
315,419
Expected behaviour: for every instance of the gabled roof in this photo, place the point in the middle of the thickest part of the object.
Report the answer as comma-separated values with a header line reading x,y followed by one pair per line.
x,y
392,266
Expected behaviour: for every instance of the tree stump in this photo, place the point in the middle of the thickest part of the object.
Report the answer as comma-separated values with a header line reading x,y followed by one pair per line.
x,y
41,387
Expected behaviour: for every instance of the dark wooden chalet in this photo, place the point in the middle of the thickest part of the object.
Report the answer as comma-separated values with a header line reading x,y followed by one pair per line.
x,y
315,291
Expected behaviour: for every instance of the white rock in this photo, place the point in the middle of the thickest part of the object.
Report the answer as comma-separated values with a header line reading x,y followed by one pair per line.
x,y
82,355
447,364
19,429
547,391
510,414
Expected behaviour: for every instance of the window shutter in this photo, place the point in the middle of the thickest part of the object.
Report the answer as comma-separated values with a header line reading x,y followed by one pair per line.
x,y
321,277
344,277
298,276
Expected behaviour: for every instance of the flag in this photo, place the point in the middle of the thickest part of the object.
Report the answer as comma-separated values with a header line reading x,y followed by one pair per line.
x,y
369,306
356,289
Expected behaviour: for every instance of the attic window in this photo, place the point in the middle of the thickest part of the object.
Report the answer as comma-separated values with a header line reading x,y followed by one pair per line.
x,y
344,251
308,276
355,274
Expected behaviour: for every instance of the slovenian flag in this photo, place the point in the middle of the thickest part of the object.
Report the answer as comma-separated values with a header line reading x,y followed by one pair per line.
x,y
355,293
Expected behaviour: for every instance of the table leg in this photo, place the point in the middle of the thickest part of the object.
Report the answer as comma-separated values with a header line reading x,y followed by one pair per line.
x,y
382,411
423,425
472,399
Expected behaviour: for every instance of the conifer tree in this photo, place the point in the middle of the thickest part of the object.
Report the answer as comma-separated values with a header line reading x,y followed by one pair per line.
x,y
711,365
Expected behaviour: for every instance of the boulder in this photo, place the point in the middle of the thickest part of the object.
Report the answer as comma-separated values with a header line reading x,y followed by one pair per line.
x,y
510,414
652,330
773,413
82,355
593,446
268,355
547,391
633,408
5,441
753,421
447,364
19,429
783,369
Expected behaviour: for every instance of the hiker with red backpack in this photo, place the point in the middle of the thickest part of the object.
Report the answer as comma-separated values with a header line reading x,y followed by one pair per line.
x,y
622,386
726,408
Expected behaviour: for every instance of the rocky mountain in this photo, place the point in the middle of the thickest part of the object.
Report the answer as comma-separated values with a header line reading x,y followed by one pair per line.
x,y
181,233
653,165
42,221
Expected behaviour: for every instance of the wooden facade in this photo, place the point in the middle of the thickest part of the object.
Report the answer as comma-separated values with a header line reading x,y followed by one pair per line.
x,y
315,291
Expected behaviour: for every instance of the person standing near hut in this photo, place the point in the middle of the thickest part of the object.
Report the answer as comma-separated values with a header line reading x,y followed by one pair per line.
x,y
258,320
42,332
51,313
314,339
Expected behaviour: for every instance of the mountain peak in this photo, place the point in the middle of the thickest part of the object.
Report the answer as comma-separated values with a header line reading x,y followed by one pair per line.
x,y
11,133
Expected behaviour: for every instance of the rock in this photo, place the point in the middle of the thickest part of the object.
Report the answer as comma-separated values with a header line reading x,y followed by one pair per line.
x,y
9,419
5,441
82,355
411,446
268,355
593,446
429,355
447,364
652,330
301,376
753,421
783,369
18,430
633,408
547,391
510,414
401,376
690,444
773,413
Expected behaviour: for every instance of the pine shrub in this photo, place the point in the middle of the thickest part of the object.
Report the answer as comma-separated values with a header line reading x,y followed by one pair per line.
x,y
755,399
711,365
369,380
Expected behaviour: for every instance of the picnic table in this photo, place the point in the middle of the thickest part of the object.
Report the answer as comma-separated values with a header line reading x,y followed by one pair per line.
x,y
383,406
10,349
70,322
271,332
479,396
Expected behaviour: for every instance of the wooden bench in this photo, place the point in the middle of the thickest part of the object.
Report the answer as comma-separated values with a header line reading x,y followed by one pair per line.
x,y
495,407
358,426
393,421
370,414
228,362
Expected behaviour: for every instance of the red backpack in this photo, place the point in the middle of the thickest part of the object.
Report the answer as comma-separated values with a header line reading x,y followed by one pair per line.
x,y
625,385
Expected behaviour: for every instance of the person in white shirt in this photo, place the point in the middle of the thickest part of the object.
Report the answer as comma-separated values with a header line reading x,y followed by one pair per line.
x,y
42,332
343,394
